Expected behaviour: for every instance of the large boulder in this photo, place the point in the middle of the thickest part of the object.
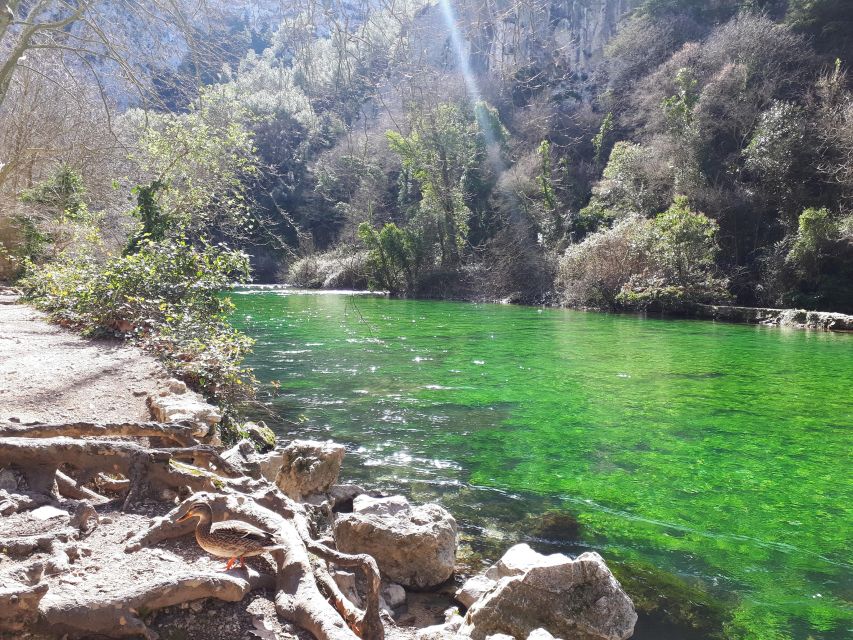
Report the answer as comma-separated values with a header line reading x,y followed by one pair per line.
x,y
309,467
574,599
413,546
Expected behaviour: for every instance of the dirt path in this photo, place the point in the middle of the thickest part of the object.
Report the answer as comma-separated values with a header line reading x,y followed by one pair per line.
x,y
50,374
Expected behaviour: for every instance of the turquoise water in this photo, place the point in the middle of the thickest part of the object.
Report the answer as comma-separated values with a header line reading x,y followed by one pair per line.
x,y
709,463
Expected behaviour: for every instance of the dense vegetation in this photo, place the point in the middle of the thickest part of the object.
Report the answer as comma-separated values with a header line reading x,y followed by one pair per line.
x,y
645,154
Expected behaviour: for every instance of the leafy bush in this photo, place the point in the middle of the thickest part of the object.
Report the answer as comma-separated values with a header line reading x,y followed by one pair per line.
x,y
592,273
820,262
338,269
166,297
394,258
663,263
635,180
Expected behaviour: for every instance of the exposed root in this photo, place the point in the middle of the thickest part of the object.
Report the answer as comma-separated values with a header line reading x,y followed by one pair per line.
x,y
151,471
120,615
68,488
162,473
298,597
179,433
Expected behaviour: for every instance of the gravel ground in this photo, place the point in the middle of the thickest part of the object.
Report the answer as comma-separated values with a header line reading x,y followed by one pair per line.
x,y
50,374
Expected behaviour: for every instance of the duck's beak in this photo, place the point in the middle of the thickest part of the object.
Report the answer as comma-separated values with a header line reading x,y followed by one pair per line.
x,y
189,514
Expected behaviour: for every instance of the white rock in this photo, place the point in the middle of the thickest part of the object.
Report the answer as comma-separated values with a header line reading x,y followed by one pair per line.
x,y
270,463
394,595
390,505
309,467
517,560
577,598
188,406
176,386
500,636
473,589
242,455
48,512
415,548
540,634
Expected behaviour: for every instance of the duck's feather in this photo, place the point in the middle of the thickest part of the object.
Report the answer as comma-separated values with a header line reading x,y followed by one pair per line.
x,y
239,530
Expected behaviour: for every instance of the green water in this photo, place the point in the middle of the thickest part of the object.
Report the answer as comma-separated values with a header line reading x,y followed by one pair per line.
x,y
709,463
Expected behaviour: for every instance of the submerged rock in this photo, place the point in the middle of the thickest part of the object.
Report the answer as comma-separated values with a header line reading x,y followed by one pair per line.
x,y
413,546
309,467
578,599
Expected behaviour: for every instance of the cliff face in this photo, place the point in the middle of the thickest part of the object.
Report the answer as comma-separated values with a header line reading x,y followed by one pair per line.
x,y
503,35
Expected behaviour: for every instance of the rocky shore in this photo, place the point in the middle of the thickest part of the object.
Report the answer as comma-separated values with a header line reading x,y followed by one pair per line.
x,y
92,543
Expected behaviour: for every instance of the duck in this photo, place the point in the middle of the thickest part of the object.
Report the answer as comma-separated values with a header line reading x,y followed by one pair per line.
x,y
232,539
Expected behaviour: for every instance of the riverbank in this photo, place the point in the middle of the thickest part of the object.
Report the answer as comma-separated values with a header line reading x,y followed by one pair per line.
x,y
92,543
765,316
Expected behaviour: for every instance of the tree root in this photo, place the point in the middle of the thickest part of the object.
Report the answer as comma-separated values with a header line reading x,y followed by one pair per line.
x,y
120,615
159,473
151,471
298,598
179,433
68,488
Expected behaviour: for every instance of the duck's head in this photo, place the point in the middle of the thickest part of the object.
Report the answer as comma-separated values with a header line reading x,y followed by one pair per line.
x,y
200,510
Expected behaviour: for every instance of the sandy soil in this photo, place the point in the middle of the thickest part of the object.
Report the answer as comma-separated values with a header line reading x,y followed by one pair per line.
x,y
50,374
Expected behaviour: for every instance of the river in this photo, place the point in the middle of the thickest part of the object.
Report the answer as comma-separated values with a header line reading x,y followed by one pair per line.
x,y
708,463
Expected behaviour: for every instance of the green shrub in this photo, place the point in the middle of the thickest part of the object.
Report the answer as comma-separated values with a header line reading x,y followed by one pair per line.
x,y
394,257
166,297
664,263
338,269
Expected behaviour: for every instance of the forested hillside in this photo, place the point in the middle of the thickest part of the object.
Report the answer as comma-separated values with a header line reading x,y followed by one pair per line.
x,y
620,154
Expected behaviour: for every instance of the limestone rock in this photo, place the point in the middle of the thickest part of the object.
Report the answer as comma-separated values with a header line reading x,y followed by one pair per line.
x,y
261,435
415,547
270,462
85,517
309,467
187,406
540,634
389,505
343,496
176,386
517,560
473,589
242,455
578,599
394,595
